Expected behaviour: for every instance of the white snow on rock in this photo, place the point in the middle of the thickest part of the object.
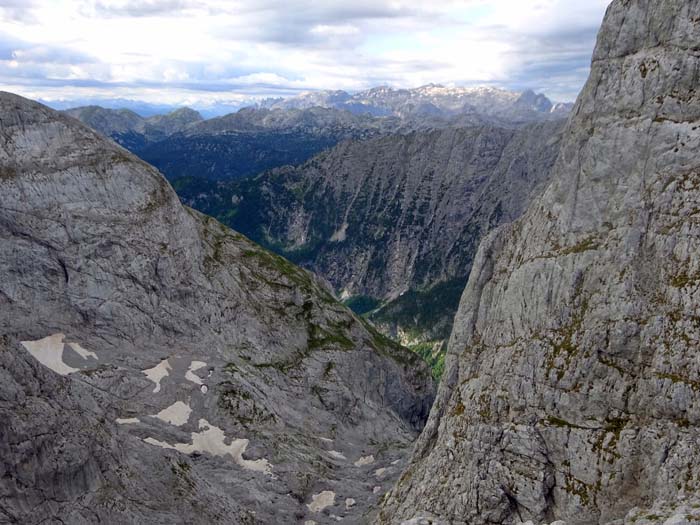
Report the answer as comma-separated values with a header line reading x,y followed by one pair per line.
x,y
321,501
377,489
49,352
380,472
81,351
341,234
336,454
204,389
176,414
190,374
423,520
349,503
157,373
212,440
127,421
365,460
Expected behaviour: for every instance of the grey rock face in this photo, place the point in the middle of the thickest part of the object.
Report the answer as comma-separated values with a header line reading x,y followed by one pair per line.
x,y
571,389
206,380
63,456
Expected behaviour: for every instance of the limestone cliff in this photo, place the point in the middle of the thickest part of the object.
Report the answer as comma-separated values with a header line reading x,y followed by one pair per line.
x,y
572,389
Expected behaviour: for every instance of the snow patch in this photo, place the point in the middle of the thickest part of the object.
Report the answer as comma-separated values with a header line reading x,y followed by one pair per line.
x,y
380,472
81,351
365,460
336,454
349,503
212,440
127,421
49,352
190,374
321,501
176,414
341,234
157,373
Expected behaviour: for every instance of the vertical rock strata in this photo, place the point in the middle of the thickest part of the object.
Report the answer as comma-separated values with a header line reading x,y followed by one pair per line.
x,y
572,388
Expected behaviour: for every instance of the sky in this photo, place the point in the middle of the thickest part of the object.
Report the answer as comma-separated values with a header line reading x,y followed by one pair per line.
x,y
215,55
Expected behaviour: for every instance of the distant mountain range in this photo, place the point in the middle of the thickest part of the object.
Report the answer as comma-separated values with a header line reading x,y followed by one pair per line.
x,y
432,100
278,132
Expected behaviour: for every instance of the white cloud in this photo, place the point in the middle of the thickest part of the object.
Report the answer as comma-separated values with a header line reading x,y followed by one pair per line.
x,y
202,51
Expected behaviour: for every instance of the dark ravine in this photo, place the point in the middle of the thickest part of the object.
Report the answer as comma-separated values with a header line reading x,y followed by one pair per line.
x,y
393,222
158,367
572,387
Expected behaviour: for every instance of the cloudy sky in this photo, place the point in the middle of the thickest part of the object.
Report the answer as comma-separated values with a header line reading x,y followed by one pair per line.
x,y
223,53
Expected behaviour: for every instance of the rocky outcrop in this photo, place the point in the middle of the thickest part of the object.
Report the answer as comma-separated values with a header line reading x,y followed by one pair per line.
x,y
572,383
204,379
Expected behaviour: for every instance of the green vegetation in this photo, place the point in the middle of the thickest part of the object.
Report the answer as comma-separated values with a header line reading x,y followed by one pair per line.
x,y
7,173
433,355
578,488
362,304
684,279
560,423
319,338
675,378
583,246
391,348
232,155
428,311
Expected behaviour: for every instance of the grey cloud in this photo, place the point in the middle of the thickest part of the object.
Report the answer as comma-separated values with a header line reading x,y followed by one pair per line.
x,y
18,10
145,8
292,23
51,55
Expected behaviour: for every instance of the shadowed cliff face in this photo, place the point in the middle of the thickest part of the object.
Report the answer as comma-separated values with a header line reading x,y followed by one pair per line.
x,y
394,222
571,390
380,217
205,379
